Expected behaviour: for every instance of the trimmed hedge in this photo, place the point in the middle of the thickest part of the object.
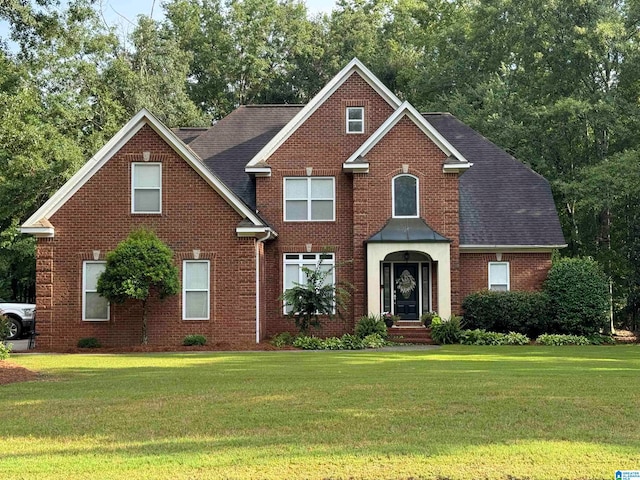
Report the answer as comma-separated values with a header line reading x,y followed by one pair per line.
x,y
578,294
522,312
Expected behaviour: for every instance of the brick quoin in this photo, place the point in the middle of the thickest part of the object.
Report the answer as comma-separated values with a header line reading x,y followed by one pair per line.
x,y
98,217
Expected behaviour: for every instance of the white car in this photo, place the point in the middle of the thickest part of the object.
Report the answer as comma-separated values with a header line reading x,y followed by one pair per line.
x,y
21,317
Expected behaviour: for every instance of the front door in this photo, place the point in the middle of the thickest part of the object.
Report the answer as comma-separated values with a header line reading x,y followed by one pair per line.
x,y
406,290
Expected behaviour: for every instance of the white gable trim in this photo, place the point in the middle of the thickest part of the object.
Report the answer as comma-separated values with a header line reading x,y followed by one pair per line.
x,y
143,117
354,66
407,109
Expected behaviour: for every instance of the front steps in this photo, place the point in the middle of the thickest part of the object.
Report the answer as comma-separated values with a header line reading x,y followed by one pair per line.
x,y
409,332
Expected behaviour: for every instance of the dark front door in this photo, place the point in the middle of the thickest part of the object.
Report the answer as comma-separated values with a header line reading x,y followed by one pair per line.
x,y
406,290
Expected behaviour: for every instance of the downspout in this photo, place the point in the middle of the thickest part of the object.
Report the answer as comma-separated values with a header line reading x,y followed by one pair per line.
x,y
258,242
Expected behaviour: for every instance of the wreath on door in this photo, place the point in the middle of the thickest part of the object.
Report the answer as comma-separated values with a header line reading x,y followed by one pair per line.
x,y
406,284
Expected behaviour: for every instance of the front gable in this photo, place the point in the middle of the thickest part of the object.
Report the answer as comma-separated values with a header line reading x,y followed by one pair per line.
x,y
133,145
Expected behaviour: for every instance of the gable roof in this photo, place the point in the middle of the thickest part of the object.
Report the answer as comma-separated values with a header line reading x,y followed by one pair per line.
x,y
227,146
357,161
502,201
34,225
354,66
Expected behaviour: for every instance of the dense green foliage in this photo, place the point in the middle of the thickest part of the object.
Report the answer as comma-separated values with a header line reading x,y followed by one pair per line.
x,y
89,342
4,333
561,339
191,340
522,312
138,266
446,331
554,83
346,342
578,297
318,297
371,324
482,337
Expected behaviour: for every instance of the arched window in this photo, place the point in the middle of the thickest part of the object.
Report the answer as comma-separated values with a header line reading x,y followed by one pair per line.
x,y
405,196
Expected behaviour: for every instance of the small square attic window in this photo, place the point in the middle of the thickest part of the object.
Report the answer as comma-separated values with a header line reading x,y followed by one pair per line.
x,y
355,120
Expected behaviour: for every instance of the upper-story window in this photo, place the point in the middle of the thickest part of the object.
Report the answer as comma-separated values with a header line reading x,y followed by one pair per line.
x,y
405,196
499,276
355,120
309,199
146,188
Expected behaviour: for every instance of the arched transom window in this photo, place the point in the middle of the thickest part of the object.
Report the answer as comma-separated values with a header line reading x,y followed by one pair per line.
x,y
405,196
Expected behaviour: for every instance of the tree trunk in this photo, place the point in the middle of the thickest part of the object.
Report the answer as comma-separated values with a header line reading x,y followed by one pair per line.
x,y
145,338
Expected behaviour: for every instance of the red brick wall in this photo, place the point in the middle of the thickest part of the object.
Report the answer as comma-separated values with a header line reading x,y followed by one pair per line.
x,y
527,271
98,217
323,144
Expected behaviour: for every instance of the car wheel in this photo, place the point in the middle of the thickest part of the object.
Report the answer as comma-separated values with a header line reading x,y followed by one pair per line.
x,y
15,329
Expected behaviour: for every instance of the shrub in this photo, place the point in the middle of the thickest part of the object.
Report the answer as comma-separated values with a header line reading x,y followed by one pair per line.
x,y
351,342
4,351
371,324
89,342
307,343
282,339
4,328
598,339
515,338
373,341
578,296
447,331
427,318
521,312
557,339
191,340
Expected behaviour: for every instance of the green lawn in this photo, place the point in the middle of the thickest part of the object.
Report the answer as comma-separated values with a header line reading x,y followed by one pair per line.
x,y
455,412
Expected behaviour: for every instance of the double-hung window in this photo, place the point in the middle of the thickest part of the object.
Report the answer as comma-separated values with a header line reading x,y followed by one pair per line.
x,y
499,276
294,272
95,308
146,188
309,199
355,120
195,290
405,196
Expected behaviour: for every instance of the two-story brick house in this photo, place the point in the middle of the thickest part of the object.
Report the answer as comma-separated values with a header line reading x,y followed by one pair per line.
x,y
423,208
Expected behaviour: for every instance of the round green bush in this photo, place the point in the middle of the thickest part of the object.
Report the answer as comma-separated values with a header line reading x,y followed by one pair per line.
x,y
191,340
578,294
369,325
89,342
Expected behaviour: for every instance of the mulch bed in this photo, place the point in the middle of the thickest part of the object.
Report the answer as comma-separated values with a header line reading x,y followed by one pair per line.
x,y
214,347
10,373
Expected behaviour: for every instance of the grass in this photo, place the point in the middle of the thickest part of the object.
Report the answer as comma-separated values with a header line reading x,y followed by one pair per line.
x,y
451,413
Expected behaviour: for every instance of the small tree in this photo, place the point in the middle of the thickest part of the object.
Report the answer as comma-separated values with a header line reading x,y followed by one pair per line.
x,y
138,265
315,298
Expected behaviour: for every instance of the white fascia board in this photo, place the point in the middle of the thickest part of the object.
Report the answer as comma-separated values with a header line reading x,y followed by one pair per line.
x,y
40,232
255,232
258,171
456,167
510,248
143,117
354,66
407,109
358,167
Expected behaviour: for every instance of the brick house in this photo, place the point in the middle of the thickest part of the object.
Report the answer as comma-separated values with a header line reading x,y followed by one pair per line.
x,y
425,209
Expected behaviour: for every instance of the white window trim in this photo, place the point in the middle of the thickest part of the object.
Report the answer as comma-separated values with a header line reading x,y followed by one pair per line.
x,y
305,262
355,132
85,291
133,188
508,275
393,196
185,290
308,199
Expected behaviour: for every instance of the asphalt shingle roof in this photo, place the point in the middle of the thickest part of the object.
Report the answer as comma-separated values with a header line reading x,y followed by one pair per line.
x,y
502,201
226,147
